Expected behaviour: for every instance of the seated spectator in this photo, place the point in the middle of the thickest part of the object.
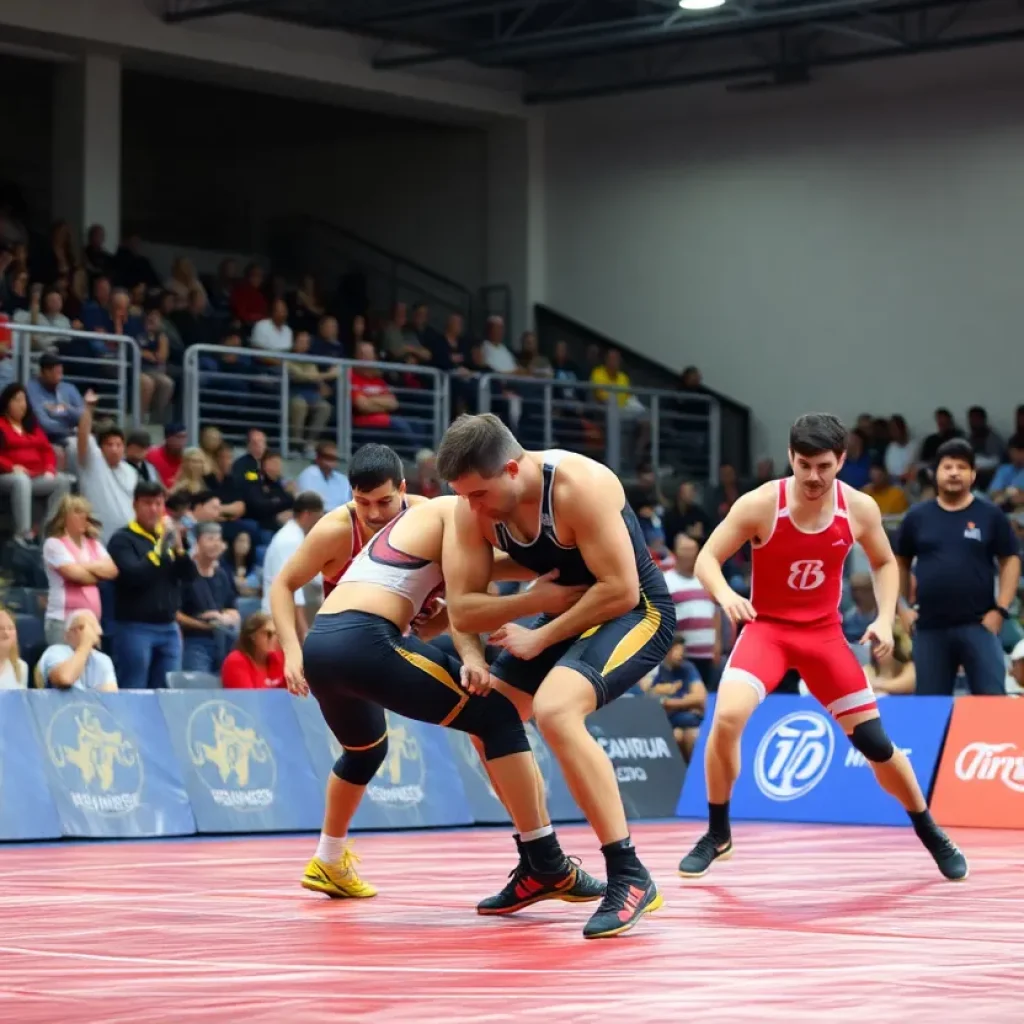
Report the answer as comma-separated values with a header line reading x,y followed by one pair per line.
x,y
248,578
208,617
631,409
864,610
132,268
374,405
166,458
246,468
248,303
901,452
183,281
192,323
1014,676
685,515
17,299
191,475
1007,487
530,361
78,663
989,449
728,491
309,508
273,334
152,566
326,342
75,562
58,257
257,663
309,307
945,430
44,308
13,670
497,355
323,478
856,471
267,502
95,256
425,480
229,490
28,465
890,497
309,388
698,618
56,402
203,507
136,448
678,687
156,389
895,673
210,442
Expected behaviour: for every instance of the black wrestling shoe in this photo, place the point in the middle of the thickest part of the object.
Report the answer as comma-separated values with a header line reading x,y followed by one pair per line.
x,y
708,849
526,887
948,856
625,901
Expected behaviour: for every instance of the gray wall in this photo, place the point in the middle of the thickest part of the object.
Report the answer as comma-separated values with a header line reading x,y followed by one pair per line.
x,y
813,253
210,166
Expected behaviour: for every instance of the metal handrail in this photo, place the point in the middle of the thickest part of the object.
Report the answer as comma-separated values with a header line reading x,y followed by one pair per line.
x,y
657,413
275,384
23,358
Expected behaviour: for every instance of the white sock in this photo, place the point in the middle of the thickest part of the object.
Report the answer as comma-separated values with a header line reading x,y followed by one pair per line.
x,y
537,833
329,848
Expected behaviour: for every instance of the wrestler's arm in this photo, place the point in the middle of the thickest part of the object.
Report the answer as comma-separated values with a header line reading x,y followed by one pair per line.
x,y
467,562
333,534
744,522
507,570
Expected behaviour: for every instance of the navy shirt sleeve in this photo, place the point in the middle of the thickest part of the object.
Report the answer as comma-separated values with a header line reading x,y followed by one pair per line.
x,y
905,545
1004,540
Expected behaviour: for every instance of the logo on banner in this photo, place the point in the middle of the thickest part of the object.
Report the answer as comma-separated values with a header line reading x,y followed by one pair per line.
x,y
627,753
400,779
231,757
807,574
98,762
794,755
992,762
540,752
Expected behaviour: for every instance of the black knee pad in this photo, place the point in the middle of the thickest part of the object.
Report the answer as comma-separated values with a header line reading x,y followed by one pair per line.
x,y
871,739
359,766
505,739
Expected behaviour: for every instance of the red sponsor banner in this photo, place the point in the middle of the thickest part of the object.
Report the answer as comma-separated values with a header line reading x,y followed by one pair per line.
x,y
981,776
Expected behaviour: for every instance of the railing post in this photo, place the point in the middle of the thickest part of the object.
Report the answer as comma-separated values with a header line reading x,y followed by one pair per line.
x,y
136,354
284,444
549,427
656,432
613,434
483,398
122,385
714,438
345,414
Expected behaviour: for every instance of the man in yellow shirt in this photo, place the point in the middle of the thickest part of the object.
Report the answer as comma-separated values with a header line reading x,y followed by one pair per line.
x,y
611,372
891,499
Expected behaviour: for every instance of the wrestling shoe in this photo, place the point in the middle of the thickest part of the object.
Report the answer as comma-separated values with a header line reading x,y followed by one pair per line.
x,y
339,880
947,855
697,862
526,887
626,900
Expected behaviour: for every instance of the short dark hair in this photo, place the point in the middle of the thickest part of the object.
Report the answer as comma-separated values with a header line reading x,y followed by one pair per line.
x,y
148,489
476,444
137,439
1017,441
105,433
374,465
955,448
178,501
307,501
201,498
816,433
268,455
679,638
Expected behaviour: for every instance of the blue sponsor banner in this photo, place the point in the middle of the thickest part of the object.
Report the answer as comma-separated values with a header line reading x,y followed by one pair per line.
x,y
245,763
27,810
110,765
798,764
484,804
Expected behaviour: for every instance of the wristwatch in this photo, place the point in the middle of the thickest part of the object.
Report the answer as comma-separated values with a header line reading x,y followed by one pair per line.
x,y
1005,612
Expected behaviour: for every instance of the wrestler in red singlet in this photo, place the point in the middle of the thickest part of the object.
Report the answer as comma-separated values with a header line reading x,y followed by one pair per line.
x,y
796,586
801,530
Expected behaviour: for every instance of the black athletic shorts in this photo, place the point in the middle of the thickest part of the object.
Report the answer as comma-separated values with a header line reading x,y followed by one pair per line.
x,y
358,664
613,656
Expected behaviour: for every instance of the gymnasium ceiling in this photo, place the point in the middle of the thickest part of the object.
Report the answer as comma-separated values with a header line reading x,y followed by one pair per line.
x,y
572,49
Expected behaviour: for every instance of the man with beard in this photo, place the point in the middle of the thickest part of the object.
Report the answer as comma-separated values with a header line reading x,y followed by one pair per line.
x,y
801,529
958,540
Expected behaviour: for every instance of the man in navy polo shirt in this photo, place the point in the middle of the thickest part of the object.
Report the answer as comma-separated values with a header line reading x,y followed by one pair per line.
x,y
958,541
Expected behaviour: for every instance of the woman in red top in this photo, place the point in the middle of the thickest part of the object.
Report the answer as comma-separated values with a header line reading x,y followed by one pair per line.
x,y
257,663
28,465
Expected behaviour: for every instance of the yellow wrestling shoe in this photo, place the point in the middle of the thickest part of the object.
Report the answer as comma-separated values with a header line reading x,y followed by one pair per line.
x,y
339,880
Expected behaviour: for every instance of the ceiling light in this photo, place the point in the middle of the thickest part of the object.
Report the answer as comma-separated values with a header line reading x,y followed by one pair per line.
x,y
700,5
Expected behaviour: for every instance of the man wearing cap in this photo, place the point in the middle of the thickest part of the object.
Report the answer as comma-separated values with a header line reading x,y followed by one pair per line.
x,y
56,402
966,559
166,458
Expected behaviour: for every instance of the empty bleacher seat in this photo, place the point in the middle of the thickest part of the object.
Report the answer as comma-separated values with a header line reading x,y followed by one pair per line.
x,y
192,681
